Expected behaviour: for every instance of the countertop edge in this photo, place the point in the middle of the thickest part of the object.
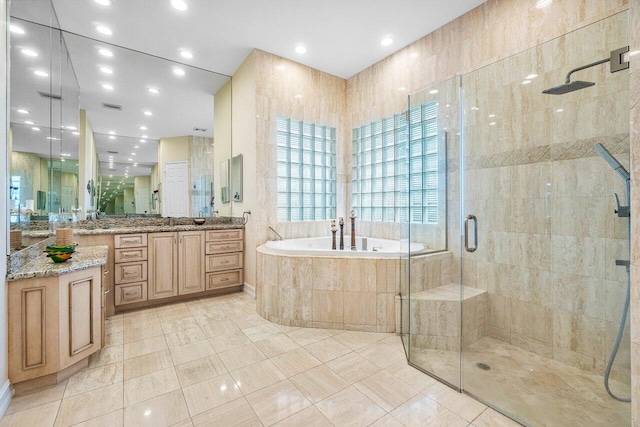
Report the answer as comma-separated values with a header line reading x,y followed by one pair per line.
x,y
85,258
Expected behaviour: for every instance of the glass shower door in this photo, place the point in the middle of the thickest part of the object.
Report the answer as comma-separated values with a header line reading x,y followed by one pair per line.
x,y
431,308
544,293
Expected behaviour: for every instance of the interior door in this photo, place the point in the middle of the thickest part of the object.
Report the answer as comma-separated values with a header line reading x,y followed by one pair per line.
x,y
175,191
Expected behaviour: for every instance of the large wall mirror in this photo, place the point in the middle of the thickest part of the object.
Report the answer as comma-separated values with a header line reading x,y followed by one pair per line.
x,y
98,129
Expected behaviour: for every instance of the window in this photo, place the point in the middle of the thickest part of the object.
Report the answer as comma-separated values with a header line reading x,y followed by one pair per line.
x,y
306,175
395,168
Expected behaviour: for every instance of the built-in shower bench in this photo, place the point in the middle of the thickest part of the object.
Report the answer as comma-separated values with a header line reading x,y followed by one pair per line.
x,y
435,316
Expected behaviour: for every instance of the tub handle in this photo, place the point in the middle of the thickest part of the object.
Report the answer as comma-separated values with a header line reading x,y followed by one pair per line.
x,y
475,233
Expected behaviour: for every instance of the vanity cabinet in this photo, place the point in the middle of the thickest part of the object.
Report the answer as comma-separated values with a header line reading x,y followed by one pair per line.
x,y
54,323
176,264
130,262
224,260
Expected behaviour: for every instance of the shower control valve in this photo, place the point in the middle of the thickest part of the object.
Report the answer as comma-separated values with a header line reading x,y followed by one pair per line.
x,y
622,211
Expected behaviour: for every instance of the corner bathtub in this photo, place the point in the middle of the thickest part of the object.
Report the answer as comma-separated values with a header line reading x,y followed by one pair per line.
x,y
321,246
303,282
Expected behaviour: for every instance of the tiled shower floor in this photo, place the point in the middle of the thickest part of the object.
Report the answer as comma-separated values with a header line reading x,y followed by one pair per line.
x,y
535,389
215,362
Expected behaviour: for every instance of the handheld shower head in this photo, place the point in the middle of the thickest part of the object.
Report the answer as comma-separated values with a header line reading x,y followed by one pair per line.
x,y
613,162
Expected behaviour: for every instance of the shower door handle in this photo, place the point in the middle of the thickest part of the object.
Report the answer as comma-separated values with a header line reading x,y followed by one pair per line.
x,y
466,233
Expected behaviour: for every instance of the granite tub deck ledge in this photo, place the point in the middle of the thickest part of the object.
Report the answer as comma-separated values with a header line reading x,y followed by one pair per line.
x,y
42,266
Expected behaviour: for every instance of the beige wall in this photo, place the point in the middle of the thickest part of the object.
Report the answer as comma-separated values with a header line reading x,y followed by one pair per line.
x,y
222,128
265,87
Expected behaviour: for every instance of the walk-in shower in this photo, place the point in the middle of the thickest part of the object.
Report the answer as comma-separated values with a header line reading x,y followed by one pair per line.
x,y
543,301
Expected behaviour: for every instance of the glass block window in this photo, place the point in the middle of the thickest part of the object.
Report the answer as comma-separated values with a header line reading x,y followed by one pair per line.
x,y
306,171
395,167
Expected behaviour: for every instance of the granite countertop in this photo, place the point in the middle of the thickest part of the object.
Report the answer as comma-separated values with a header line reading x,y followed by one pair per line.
x,y
42,266
139,229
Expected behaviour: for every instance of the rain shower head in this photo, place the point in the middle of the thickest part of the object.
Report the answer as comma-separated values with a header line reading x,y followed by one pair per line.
x,y
568,87
613,162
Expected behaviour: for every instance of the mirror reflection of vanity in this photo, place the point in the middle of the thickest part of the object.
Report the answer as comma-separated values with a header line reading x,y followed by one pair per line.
x,y
101,130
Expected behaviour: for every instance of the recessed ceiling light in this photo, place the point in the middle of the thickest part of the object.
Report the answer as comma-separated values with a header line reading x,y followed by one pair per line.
x,y
75,133
492,124
131,160
143,136
301,49
143,128
15,29
29,122
135,164
51,138
541,4
148,113
133,154
179,4
111,132
491,116
35,128
559,110
526,82
386,41
186,54
23,111
104,30
106,70
65,154
143,141
433,91
531,76
104,2
112,137
72,128
41,73
105,52
136,146
153,90
107,87
178,71
29,52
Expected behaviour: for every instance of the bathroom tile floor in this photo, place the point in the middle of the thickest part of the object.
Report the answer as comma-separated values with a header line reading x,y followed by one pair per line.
x,y
541,391
216,362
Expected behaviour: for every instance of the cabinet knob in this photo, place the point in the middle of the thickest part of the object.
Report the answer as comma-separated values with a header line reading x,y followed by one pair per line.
x,y
106,272
106,291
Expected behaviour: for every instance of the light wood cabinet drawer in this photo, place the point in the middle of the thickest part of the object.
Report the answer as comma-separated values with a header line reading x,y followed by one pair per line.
x,y
131,272
233,234
222,280
222,247
130,240
224,262
129,255
130,293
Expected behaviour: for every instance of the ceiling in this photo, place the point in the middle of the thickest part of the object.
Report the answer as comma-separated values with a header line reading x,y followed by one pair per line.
x,y
342,37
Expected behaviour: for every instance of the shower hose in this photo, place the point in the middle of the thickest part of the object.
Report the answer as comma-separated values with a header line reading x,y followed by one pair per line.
x,y
616,346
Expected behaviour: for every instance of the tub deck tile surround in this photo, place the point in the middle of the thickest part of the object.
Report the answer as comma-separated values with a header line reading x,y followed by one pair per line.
x,y
334,292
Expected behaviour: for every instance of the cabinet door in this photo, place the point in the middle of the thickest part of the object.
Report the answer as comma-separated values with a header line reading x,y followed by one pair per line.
x,y
191,265
163,265
80,315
